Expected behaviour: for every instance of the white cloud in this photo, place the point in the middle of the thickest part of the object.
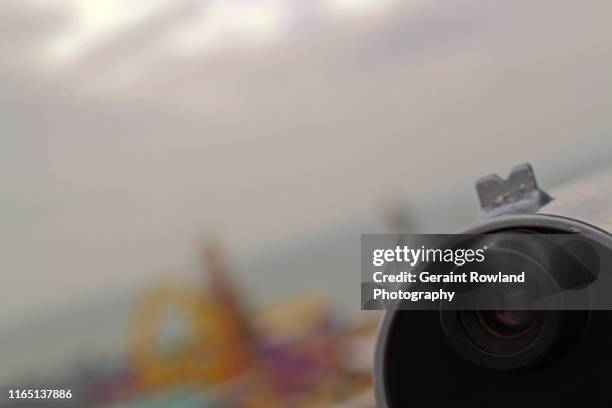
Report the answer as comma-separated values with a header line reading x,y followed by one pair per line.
x,y
93,21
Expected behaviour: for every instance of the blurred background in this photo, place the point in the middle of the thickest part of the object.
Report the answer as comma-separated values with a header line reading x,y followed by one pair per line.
x,y
184,183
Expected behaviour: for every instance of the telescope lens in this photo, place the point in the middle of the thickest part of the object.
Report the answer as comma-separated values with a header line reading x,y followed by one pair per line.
x,y
501,333
507,324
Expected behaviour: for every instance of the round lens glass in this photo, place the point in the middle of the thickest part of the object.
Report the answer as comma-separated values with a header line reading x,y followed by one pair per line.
x,y
507,323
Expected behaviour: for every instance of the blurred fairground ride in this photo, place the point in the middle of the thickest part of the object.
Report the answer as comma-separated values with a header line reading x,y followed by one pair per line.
x,y
203,346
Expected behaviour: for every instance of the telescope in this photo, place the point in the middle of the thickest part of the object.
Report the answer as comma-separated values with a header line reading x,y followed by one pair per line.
x,y
507,358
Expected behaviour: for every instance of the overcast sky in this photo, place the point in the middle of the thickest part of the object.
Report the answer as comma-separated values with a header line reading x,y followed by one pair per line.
x,y
128,133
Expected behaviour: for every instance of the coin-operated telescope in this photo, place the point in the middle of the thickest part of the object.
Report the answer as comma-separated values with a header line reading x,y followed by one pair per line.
x,y
509,358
